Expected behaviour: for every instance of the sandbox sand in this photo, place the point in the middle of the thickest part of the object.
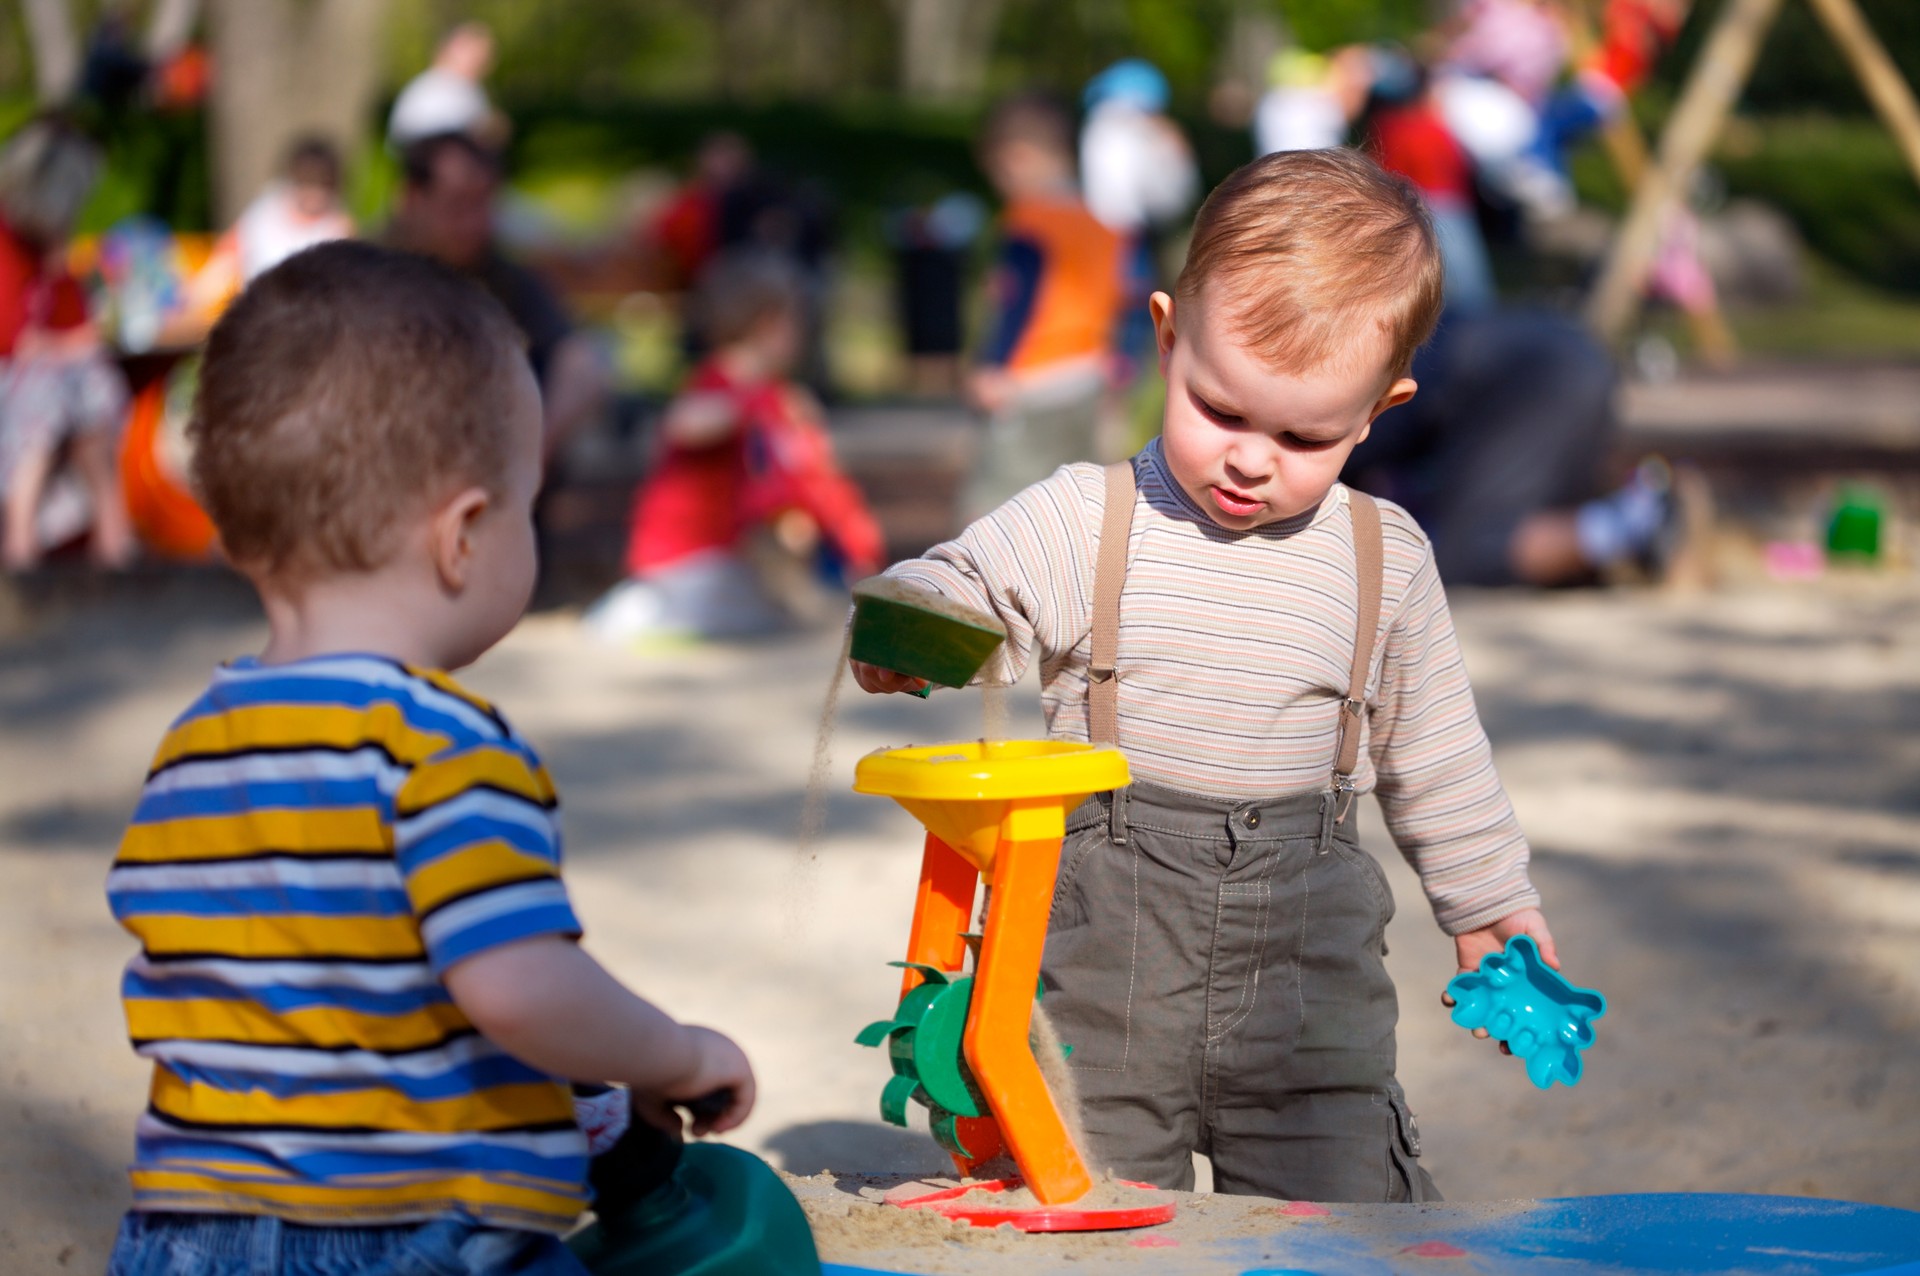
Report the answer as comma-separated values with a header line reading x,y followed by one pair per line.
x,y
1720,796
853,1223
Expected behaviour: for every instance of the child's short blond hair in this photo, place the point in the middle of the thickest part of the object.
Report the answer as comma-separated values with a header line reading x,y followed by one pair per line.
x,y
1301,247
348,388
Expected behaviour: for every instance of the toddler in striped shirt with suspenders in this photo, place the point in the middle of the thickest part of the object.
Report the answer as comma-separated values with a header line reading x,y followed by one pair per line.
x,y
1265,645
359,980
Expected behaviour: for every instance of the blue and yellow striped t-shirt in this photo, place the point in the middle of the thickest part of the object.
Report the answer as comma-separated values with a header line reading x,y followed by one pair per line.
x,y
316,844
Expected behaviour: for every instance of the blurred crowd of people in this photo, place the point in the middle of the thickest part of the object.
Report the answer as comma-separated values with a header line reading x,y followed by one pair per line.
x,y
1502,454
61,396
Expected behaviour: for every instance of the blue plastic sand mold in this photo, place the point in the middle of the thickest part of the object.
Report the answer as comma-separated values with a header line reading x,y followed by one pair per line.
x,y
1519,999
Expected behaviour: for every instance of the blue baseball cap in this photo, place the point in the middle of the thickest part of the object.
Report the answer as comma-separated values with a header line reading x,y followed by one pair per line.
x,y
1132,80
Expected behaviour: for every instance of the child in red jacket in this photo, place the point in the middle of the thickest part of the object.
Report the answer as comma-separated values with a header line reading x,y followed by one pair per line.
x,y
746,514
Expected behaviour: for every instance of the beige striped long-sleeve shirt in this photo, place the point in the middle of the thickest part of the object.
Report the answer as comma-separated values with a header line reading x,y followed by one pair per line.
x,y
1233,658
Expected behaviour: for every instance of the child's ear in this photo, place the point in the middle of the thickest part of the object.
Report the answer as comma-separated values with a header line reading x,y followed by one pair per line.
x,y
1397,393
451,536
1160,306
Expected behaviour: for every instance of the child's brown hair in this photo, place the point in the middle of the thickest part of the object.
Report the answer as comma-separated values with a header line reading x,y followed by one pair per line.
x,y
1035,118
347,388
741,288
1302,246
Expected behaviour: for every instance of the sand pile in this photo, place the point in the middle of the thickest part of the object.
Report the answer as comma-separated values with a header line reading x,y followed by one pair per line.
x,y
853,1224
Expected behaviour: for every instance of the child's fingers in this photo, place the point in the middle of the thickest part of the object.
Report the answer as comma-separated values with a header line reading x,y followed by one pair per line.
x,y
1548,952
736,1113
872,678
658,1113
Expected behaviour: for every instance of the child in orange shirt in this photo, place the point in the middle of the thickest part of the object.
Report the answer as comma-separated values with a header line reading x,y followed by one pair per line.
x,y
1056,299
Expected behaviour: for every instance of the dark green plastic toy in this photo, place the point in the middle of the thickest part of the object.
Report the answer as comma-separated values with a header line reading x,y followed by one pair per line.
x,y
1853,533
913,631
700,1209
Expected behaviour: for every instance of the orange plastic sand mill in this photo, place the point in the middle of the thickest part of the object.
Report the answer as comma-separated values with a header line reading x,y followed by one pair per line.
x,y
960,1043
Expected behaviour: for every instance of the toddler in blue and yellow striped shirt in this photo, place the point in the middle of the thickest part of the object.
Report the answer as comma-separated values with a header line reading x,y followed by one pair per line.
x,y
358,977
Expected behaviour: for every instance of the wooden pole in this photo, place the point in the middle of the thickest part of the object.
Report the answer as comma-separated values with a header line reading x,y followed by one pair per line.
x,y
56,50
1884,85
287,67
1712,88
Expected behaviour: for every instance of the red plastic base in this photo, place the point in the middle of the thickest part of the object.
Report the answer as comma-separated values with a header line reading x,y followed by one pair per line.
x,y
1036,1218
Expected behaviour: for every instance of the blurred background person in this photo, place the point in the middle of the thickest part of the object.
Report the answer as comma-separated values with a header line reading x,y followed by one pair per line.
x,y
1311,99
1506,453
62,398
1408,133
1139,177
684,232
1503,457
789,216
450,96
299,209
1500,63
1054,305
745,525
931,245
446,211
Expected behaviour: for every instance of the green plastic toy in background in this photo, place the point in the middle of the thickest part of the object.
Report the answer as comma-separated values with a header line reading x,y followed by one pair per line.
x,y
1855,529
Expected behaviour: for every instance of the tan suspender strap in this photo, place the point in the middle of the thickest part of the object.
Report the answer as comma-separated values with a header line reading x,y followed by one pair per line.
x,y
1366,563
1109,579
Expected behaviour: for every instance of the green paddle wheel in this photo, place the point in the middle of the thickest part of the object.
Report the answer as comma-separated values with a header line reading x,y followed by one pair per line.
x,y
925,1043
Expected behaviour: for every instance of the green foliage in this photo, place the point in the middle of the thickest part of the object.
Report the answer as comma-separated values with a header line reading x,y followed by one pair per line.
x,y
874,155
1320,25
16,68
1800,67
769,50
1840,318
614,49
1060,46
1846,187
15,110
158,164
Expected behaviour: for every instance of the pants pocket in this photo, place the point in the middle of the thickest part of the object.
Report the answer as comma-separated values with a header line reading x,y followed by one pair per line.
x,y
1410,1180
1070,906
1088,969
1371,875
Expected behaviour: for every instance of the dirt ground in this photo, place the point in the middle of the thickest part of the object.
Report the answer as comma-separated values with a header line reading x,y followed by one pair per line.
x,y
1723,793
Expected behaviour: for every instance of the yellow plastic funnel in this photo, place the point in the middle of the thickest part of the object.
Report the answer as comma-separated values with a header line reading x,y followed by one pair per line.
x,y
962,792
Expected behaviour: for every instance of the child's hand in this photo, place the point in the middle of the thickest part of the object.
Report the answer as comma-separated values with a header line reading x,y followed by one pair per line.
x,y
720,1067
881,681
796,532
991,389
1471,947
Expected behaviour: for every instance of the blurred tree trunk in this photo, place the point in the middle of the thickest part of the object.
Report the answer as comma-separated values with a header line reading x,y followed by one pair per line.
x,y
818,40
56,50
755,45
170,27
283,68
1253,36
945,46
